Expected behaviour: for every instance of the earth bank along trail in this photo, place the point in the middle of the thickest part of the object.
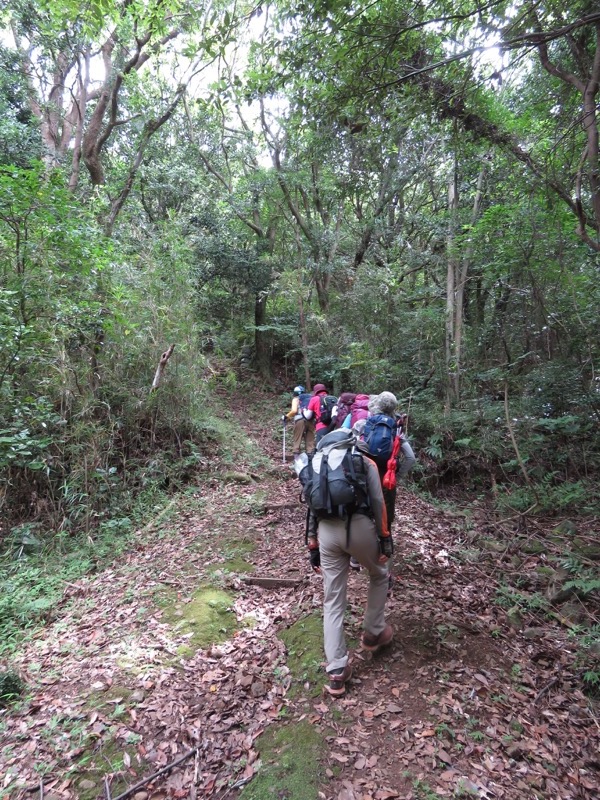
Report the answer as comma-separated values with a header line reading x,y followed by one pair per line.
x,y
463,704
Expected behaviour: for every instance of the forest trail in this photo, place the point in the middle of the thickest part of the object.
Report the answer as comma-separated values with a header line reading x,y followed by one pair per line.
x,y
461,705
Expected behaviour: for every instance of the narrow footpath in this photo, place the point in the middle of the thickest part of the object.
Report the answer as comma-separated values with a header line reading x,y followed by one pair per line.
x,y
174,653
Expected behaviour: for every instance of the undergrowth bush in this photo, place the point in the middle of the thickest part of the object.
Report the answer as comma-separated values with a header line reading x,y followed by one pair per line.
x,y
102,508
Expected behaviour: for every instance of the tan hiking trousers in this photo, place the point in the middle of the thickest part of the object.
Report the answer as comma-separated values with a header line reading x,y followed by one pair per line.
x,y
335,562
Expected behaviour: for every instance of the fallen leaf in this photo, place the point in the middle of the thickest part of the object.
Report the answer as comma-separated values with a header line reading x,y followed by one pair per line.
x,y
341,758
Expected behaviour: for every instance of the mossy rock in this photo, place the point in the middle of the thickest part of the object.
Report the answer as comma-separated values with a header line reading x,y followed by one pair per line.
x,y
492,545
304,643
566,529
289,763
238,477
532,547
545,575
586,548
514,618
545,572
469,555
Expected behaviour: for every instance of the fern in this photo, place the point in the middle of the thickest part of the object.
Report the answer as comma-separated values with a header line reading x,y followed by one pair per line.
x,y
584,585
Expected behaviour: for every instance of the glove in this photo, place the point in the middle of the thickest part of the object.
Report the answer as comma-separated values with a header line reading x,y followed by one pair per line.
x,y
315,559
284,417
314,555
386,546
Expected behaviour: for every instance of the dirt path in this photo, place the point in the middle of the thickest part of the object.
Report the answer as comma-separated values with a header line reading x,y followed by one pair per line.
x,y
461,705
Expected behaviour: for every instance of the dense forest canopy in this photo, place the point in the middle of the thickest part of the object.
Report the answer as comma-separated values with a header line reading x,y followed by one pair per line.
x,y
377,195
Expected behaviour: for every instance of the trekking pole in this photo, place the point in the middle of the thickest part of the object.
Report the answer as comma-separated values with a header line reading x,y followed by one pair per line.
x,y
284,426
408,413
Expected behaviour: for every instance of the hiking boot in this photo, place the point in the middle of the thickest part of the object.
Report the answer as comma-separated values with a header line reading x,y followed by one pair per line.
x,y
337,680
373,642
354,564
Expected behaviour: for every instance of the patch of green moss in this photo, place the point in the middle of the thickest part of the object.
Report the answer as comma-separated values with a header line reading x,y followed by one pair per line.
x,y
98,760
304,643
232,565
235,552
207,619
290,766
112,696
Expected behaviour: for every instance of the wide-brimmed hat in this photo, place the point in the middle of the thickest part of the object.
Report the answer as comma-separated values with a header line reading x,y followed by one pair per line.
x,y
384,403
318,388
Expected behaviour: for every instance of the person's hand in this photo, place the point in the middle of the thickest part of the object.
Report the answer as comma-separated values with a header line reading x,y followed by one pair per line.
x,y
284,417
386,548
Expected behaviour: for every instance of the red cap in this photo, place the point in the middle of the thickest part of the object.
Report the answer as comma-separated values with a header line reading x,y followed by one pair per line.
x,y
319,388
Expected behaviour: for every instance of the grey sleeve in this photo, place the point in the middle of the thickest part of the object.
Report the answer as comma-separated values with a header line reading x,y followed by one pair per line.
x,y
376,498
409,459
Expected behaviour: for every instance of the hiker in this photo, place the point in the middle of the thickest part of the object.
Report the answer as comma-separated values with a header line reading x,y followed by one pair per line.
x,y
387,404
316,411
304,429
336,532
358,410
382,436
344,406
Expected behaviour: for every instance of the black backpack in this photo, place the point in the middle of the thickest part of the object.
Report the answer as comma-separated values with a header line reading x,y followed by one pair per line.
x,y
336,492
328,403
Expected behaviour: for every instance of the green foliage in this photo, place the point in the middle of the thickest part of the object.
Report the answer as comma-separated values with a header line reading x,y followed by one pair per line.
x,y
11,687
329,201
548,497
508,597
34,577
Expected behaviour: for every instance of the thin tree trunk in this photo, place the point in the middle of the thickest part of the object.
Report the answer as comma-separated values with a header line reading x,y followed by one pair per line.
x,y
83,89
304,339
463,271
452,267
162,364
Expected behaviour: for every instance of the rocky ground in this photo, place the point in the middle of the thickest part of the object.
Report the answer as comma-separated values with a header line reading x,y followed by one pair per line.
x,y
172,654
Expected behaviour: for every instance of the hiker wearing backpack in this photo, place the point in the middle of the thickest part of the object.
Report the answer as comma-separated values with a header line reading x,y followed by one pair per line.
x,y
346,517
304,429
321,409
387,444
358,410
344,406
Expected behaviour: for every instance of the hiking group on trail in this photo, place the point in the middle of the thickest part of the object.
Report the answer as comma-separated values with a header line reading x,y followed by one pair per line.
x,y
349,484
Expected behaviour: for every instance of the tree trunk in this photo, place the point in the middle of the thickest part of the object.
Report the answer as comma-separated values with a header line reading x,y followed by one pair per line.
x,y
452,384
463,272
304,338
261,341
